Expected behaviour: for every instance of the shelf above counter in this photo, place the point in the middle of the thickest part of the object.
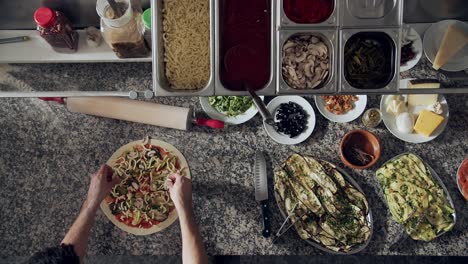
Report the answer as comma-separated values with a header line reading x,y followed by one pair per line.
x,y
37,50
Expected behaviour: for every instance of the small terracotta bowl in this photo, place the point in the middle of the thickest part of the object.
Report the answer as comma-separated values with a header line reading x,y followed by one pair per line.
x,y
362,140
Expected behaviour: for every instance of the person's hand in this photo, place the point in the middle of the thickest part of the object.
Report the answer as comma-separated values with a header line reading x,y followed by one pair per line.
x,y
180,189
101,184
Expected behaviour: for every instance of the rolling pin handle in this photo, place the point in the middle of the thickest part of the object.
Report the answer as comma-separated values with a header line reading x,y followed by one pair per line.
x,y
209,123
59,100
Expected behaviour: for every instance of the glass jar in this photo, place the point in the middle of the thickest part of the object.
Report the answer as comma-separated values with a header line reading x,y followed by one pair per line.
x,y
123,32
147,23
372,117
56,29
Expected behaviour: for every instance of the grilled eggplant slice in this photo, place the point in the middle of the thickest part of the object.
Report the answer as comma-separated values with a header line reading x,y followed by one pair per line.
x,y
333,212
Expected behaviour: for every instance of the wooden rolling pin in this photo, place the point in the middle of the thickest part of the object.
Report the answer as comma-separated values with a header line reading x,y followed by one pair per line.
x,y
135,111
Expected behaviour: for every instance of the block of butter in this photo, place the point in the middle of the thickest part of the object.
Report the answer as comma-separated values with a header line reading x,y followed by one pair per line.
x,y
427,122
423,99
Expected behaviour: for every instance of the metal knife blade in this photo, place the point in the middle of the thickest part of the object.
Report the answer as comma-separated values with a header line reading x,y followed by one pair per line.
x,y
261,190
260,177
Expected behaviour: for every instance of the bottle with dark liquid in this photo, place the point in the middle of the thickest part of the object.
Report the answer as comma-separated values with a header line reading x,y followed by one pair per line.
x,y
56,29
123,29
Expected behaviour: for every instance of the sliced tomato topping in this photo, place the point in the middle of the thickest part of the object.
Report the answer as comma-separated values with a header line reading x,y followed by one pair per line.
x,y
109,199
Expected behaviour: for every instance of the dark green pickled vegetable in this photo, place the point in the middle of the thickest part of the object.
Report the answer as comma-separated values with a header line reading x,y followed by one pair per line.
x,y
368,60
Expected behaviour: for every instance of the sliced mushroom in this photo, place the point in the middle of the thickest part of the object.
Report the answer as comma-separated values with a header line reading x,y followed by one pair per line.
x,y
301,58
307,69
324,65
305,62
292,73
289,44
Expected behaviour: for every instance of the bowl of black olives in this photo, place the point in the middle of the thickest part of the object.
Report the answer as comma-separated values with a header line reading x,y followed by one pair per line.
x,y
294,119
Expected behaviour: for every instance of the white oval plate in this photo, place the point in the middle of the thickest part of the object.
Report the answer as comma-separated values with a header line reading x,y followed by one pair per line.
x,y
282,138
231,120
432,40
418,50
390,123
359,107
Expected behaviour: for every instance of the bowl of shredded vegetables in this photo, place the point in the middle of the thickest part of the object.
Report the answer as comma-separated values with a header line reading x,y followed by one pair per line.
x,y
229,109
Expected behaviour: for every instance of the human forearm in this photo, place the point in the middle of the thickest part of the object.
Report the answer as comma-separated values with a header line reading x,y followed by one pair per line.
x,y
80,230
193,250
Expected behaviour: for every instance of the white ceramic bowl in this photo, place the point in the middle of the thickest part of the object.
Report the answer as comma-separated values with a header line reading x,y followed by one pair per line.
x,y
359,107
285,139
231,120
417,48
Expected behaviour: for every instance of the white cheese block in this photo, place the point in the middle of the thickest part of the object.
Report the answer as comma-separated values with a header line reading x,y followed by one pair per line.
x,y
423,99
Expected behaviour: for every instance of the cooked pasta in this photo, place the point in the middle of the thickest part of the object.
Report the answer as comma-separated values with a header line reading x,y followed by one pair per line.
x,y
141,198
186,38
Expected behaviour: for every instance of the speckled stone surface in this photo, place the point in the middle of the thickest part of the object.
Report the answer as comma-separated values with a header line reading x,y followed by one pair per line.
x,y
47,154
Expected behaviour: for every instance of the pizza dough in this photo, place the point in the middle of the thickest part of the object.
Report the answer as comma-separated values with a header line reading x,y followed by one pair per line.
x,y
172,215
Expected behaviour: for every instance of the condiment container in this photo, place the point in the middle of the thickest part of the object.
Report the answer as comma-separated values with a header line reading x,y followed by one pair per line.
x,y
372,117
147,22
358,146
244,29
388,39
123,33
56,29
371,14
307,13
327,36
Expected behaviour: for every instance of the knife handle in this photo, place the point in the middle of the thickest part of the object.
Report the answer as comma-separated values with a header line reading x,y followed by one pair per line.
x,y
265,218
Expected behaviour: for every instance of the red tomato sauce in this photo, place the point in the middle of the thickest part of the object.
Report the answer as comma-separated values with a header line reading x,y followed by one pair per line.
x,y
245,29
308,11
142,224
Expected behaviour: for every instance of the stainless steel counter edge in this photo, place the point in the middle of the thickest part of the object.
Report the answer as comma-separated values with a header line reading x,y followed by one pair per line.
x,y
160,85
270,88
131,94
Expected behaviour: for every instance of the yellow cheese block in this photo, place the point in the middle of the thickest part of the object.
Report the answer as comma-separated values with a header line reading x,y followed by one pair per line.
x,y
454,40
427,123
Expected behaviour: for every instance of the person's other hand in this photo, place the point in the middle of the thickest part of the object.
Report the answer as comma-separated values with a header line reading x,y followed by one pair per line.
x,y
101,184
180,189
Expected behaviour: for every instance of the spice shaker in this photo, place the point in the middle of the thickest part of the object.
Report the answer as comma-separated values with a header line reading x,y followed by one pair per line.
x,y
56,29
123,30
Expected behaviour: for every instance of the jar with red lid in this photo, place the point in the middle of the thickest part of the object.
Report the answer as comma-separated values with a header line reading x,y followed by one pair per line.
x,y
56,29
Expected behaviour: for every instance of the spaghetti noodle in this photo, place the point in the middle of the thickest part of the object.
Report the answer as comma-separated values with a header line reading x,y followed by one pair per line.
x,y
186,37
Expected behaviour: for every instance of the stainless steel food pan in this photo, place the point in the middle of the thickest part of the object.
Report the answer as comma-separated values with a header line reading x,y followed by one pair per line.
x,y
331,39
284,22
371,13
392,86
161,85
269,88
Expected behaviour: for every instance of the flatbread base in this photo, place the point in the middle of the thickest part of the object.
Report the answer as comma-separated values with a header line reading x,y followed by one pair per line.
x,y
172,215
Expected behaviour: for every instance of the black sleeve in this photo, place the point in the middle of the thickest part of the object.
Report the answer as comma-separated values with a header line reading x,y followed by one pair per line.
x,y
55,255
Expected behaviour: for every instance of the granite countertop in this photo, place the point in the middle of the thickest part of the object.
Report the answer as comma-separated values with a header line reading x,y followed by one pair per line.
x,y
48,153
